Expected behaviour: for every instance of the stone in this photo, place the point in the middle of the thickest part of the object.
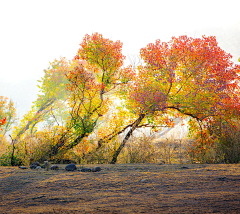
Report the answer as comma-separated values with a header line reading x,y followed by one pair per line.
x,y
33,167
38,167
144,180
36,164
71,167
46,165
54,167
85,170
222,179
96,169
22,167
37,197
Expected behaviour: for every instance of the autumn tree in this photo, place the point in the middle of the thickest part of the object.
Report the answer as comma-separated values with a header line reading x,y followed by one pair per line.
x,y
52,90
8,118
183,77
8,115
51,98
191,76
94,74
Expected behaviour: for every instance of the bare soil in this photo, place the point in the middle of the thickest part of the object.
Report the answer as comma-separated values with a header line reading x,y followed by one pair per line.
x,y
122,188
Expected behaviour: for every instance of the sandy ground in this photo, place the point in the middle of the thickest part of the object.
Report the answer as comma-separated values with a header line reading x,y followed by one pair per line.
x,y
122,188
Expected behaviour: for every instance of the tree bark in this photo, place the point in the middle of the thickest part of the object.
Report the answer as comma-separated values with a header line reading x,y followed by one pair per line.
x,y
13,150
39,113
134,126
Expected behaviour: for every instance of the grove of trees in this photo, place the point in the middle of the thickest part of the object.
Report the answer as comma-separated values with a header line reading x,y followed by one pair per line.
x,y
92,105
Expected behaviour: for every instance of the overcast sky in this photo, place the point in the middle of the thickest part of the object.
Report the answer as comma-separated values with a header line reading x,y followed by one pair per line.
x,y
33,33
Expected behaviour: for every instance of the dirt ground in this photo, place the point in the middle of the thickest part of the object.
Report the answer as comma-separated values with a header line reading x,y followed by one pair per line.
x,y
122,188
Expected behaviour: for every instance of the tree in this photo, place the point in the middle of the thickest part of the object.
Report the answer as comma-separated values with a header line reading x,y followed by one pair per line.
x,y
8,115
52,91
52,96
94,74
7,118
194,77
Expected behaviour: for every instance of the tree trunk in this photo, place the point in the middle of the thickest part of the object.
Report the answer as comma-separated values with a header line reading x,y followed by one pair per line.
x,y
39,113
13,150
134,126
12,156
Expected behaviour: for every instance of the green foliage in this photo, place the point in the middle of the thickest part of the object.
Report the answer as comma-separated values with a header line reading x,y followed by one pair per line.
x,y
5,158
53,84
84,125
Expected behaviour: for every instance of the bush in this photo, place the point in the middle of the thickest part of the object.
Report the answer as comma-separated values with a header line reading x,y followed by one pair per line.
x,y
139,150
217,142
5,158
229,144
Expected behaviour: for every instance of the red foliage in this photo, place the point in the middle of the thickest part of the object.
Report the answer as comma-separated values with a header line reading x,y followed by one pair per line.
x,y
2,122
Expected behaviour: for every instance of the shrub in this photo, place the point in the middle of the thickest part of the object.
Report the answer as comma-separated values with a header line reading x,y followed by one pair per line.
x,y
139,150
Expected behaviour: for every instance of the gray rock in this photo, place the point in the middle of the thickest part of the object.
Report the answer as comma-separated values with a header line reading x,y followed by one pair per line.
x,y
144,180
33,167
71,167
38,167
54,167
96,169
85,170
22,167
36,164
45,165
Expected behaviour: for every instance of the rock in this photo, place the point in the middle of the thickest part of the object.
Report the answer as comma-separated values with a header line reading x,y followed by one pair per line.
x,y
38,167
37,197
36,164
33,167
22,167
54,167
184,167
85,170
71,167
96,169
45,165
222,179
144,180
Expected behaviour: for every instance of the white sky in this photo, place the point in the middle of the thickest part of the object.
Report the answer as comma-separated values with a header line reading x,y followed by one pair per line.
x,y
33,33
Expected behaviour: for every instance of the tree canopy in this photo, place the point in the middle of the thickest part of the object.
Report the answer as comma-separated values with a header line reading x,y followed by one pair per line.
x,y
185,77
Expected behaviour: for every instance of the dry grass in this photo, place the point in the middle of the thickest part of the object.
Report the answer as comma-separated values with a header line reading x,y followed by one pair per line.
x,y
123,188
